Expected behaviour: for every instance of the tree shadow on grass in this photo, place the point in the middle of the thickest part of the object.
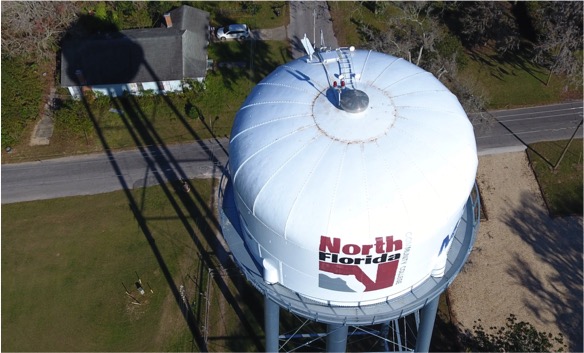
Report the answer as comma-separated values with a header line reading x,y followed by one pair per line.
x,y
244,58
160,158
520,59
556,243
167,171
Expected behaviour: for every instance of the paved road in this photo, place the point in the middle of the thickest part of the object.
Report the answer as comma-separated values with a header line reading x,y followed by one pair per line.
x,y
91,174
97,173
513,129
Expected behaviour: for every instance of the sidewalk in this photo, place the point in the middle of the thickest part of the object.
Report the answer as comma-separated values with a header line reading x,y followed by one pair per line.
x,y
43,131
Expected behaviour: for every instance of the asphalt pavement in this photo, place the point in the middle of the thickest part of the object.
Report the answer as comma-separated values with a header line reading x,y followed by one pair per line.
x,y
513,129
105,172
505,130
311,18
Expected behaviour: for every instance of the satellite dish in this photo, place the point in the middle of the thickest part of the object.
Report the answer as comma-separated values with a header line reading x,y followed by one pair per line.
x,y
307,46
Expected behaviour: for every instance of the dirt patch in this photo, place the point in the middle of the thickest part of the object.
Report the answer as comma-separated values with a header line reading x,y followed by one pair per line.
x,y
523,261
136,306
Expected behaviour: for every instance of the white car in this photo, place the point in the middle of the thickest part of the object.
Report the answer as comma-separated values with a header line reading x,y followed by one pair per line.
x,y
235,31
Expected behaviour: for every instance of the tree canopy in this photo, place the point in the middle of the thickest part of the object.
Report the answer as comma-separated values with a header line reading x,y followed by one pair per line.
x,y
33,29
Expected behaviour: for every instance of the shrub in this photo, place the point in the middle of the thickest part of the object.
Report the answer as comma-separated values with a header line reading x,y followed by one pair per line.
x,y
22,95
72,118
513,337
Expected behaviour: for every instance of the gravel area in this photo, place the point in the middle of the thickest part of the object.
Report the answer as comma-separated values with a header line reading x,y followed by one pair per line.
x,y
524,262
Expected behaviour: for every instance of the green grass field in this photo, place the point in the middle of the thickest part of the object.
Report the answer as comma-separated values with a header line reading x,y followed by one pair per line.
x,y
239,66
164,120
562,188
65,263
506,83
515,82
256,15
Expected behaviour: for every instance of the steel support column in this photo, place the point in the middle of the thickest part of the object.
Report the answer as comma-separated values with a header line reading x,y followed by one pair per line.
x,y
427,318
271,324
336,340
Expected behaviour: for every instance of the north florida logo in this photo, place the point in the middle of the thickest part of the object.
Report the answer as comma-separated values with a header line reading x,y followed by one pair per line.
x,y
358,268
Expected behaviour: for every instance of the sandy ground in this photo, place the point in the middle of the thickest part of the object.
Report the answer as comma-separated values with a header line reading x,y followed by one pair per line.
x,y
523,261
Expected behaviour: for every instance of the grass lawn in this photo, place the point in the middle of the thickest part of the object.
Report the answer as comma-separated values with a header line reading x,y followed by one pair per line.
x,y
562,188
259,14
239,66
346,15
514,82
174,118
65,263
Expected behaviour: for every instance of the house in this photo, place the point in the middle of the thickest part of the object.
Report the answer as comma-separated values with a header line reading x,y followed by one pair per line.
x,y
159,60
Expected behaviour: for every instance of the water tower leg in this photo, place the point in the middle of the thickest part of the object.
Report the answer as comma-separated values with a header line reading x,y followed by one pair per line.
x,y
336,340
271,324
427,317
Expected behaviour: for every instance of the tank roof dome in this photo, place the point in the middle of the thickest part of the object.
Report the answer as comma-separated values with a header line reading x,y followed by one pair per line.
x,y
396,158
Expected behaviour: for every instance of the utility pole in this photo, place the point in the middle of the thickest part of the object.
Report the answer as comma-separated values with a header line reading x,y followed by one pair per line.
x,y
567,146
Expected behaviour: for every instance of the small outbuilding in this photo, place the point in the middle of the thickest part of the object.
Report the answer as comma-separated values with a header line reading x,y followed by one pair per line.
x,y
158,60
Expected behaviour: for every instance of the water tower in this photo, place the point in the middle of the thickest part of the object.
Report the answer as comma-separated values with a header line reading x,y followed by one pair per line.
x,y
349,198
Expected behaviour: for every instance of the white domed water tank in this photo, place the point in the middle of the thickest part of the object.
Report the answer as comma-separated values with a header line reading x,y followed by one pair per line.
x,y
355,202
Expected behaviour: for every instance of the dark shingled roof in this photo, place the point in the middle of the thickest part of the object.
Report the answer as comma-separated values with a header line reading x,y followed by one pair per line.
x,y
140,55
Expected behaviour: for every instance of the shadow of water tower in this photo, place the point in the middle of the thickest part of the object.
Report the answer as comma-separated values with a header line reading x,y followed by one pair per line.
x,y
350,194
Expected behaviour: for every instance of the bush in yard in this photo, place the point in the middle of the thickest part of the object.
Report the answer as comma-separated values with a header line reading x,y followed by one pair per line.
x,y
513,337
21,98
72,117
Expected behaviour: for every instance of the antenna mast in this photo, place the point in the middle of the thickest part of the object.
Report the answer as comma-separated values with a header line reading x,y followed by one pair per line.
x,y
314,25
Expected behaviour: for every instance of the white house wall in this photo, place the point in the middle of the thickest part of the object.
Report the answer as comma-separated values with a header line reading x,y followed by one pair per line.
x,y
75,91
132,88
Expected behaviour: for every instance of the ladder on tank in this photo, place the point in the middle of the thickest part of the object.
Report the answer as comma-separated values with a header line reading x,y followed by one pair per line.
x,y
346,67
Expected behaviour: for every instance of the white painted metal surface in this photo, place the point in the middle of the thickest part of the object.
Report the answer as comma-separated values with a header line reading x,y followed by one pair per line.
x,y
351,208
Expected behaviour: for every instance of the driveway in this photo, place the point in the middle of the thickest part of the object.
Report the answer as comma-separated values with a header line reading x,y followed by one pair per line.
x,y
278,33
310,18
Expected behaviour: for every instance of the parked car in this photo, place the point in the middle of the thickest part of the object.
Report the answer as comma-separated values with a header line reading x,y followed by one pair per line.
x,y
234,31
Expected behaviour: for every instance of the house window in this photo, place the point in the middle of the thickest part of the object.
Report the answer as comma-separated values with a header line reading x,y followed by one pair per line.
x,y
132,87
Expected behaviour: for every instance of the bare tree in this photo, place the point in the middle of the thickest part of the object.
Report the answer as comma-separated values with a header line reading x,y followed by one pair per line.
x,y
416,35
559,46
34,28
471,97
423,24
409,34
444,65
482,22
